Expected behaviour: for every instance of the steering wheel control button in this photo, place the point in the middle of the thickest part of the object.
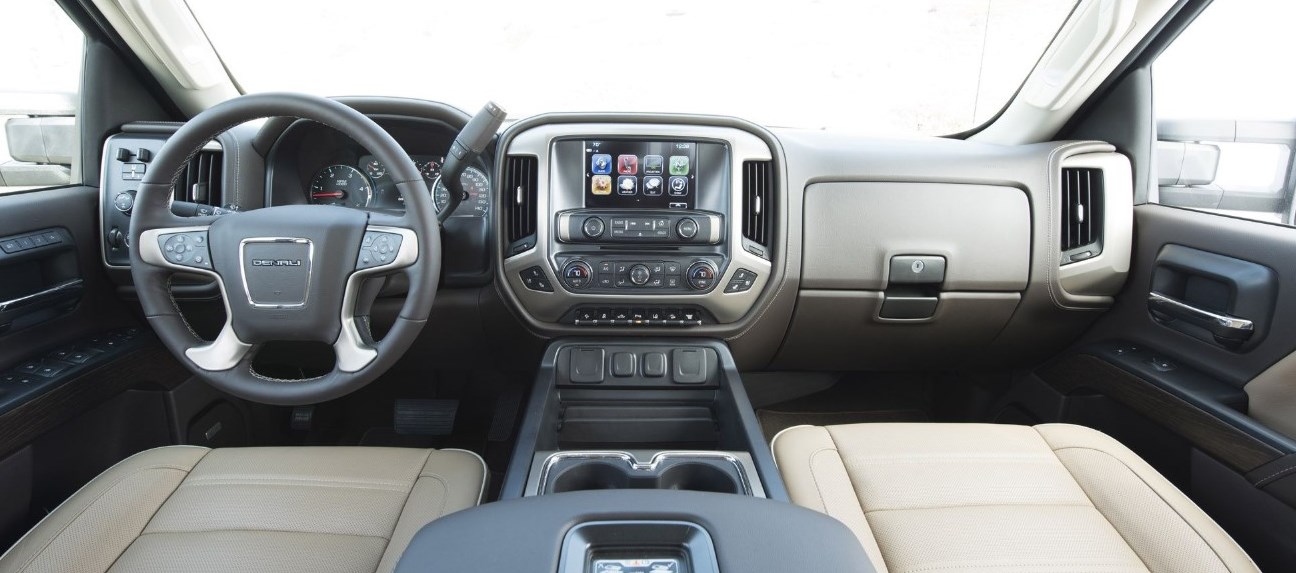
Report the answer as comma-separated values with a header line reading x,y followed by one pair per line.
x,y
701,275
686,228
578,274
534,279
187,249
917,269
593,227
743,280
377,249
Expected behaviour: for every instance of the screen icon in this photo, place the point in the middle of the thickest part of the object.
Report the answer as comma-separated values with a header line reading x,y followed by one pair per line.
x,y
652,165
601,185
601,164
678,185
652,185
627,185
679,165
627,164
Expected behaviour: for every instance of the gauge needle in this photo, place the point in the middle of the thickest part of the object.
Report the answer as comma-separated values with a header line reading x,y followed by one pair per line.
x,y
328,195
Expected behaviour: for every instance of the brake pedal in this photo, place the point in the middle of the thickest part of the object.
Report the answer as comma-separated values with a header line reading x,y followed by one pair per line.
x,y
425,417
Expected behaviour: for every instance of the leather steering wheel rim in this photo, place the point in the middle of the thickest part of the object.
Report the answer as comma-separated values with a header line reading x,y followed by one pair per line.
x,y
266,259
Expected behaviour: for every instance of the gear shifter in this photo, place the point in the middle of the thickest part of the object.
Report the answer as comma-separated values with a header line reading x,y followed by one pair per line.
x,y
467,146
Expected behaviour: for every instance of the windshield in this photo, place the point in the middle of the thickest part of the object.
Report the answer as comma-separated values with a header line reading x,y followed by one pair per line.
x,y
927,67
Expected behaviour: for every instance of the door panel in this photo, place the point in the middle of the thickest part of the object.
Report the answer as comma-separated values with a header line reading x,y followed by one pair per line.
x,y
1250,244
77,300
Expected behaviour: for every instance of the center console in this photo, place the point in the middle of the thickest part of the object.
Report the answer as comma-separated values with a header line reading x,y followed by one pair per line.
x,y
637,226
638,455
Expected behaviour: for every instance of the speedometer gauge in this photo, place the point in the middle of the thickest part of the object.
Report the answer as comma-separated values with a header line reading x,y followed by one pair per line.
x,y
476,187
341,185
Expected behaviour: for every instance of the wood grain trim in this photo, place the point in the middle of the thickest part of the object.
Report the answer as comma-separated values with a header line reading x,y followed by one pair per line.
x,y
150,364
1205,431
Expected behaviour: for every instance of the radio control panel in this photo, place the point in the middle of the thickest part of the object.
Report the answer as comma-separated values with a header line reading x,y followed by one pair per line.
x,y
626,226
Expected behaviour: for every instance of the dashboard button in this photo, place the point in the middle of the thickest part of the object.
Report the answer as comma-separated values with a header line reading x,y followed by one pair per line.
x,y
593,227
687,228
701,275
578,274
640,275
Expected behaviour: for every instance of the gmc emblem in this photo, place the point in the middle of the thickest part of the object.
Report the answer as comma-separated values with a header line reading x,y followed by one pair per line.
x,y
276,262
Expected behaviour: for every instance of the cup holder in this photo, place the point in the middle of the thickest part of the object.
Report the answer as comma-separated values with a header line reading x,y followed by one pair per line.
x,y
698,476
706,474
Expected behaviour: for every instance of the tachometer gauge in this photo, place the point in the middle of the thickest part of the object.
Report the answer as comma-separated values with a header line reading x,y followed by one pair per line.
x,y
375,169
477,188
430,169
341,185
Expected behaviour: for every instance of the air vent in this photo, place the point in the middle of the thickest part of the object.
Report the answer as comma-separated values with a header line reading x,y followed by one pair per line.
x,y
201,181
1082,209
520,194
757,206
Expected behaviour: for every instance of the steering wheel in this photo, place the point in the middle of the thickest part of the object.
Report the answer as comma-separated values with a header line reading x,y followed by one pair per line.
x,y
288,273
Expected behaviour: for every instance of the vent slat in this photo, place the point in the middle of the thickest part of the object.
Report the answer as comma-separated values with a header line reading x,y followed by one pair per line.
x,y
201,180
757,201
1082,193
520,186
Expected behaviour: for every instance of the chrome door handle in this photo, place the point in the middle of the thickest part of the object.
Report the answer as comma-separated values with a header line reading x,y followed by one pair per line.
x,y
63,293
1227,330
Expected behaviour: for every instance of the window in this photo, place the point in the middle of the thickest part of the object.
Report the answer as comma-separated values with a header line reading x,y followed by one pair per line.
x,y
924,66
40,73
1226,113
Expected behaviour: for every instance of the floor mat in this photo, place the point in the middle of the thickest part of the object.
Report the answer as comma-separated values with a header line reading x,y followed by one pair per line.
x,y
774,421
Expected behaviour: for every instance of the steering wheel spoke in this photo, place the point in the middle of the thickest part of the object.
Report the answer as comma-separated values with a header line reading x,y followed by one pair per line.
x,y
224,353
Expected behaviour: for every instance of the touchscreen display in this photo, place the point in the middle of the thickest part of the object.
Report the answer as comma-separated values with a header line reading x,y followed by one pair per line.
x,y
625,174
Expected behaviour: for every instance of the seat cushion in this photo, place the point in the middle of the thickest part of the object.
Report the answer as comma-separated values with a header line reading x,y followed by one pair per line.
x,y
985,497
185,508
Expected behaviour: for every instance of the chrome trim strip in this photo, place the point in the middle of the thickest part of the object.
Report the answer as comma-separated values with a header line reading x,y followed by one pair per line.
x,y
351,351
1218,324
310,256
227,350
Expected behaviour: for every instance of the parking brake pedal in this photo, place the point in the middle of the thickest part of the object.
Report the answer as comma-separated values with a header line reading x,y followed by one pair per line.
x,y
425,417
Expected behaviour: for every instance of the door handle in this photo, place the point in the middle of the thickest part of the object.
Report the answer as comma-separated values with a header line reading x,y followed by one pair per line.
x,y
63,293
1227,330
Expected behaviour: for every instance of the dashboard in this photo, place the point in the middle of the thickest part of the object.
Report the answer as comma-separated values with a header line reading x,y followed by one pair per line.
x,y
802,250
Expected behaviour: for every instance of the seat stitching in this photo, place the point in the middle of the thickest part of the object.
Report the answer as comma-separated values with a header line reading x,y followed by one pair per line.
x,y
296,483
94,501
971,505
851,480
1154,492
1262,481
408,494
258,530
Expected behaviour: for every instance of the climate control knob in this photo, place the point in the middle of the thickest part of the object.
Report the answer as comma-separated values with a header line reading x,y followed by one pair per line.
x,y
686,228
701,275
577,274
593,227
639,275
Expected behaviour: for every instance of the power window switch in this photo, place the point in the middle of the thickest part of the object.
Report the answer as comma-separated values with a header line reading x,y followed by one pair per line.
x,y
50,369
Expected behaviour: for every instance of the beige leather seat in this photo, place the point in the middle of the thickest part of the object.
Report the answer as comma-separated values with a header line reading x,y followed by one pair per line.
x,y
192,509
942,498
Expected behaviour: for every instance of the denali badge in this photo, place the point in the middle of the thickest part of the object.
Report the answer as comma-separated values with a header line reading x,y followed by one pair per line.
x,y
276,262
